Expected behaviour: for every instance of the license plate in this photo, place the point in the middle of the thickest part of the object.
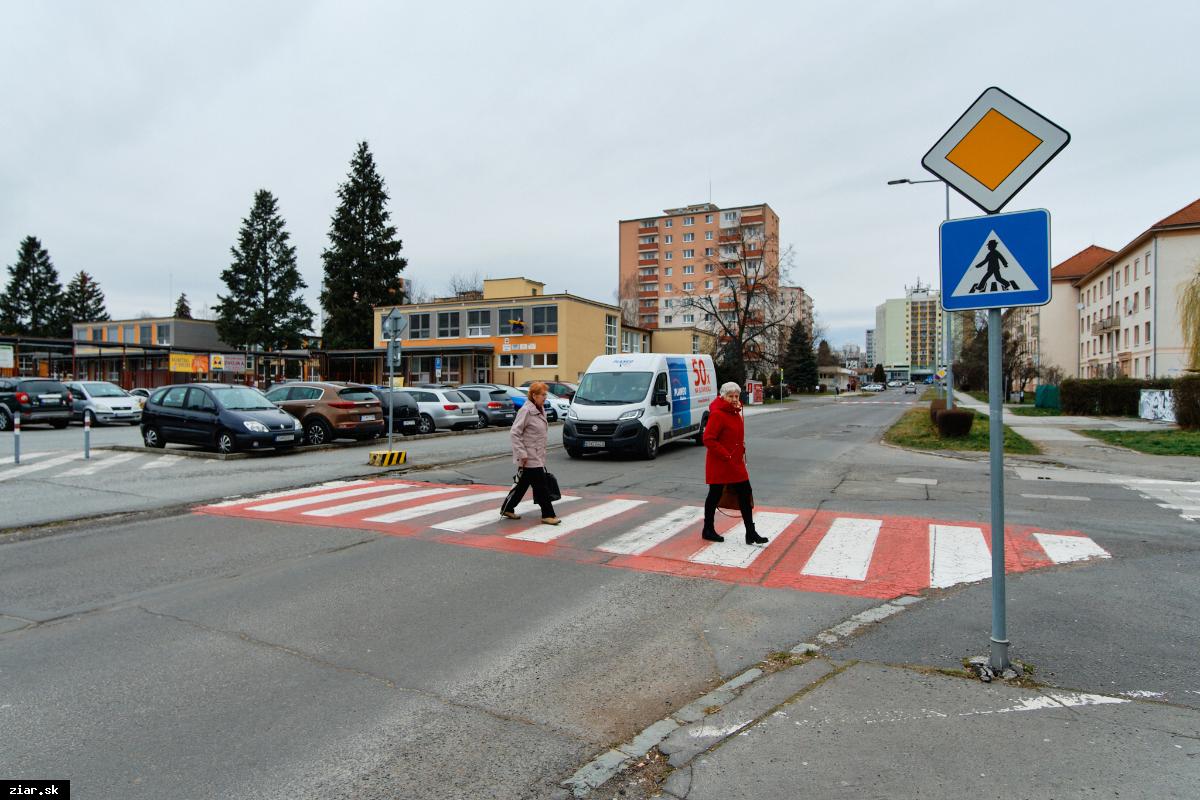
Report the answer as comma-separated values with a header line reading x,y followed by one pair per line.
x,y
287,437
409,422
367,418
49,399
593,444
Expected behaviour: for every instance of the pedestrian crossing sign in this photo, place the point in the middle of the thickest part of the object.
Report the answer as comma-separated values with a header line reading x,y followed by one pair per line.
x,y
996,261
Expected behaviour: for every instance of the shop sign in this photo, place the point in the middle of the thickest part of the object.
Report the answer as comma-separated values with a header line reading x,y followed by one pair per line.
x,y
6,356
509,347
186,362
227,362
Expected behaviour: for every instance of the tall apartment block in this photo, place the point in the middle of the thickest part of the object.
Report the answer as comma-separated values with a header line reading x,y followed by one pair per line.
x,y
670,259
907,337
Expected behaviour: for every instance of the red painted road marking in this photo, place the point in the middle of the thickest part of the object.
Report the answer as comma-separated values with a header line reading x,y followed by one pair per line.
x,y
900,560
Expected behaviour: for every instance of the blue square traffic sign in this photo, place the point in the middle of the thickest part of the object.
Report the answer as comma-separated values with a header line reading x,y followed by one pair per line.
x,y
996,261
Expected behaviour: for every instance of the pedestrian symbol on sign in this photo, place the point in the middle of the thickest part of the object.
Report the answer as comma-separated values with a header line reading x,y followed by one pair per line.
x,y
1002,271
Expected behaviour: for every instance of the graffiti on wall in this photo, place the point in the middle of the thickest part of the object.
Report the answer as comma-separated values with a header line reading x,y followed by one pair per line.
x,y
1157,404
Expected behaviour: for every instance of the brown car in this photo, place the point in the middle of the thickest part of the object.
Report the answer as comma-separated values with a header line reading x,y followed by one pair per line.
x,y
331,411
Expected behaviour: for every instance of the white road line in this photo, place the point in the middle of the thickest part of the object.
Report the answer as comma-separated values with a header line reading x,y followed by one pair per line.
x,y
25,469
734,552
376,502
918,481
957,554
237,501
1062,549
165,461
656,531
104,462
433,508
326,497
470,523
1079,498
577,521
39,454
846,549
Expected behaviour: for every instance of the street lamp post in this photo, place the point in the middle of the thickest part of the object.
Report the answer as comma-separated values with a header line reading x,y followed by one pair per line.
x,y
947,327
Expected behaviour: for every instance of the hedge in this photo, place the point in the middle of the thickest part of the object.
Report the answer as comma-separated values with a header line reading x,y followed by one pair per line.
x,y
1109,397
936,406
955,422
1187,402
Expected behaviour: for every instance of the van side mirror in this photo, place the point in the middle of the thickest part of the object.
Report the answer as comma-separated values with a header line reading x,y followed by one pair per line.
x,y
660,398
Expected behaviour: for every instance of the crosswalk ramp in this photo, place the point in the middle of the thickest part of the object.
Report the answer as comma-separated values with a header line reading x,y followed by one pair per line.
x,y
807,550
53,464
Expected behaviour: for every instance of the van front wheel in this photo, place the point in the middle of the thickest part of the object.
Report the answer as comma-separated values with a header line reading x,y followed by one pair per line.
x,y
699,437
650,452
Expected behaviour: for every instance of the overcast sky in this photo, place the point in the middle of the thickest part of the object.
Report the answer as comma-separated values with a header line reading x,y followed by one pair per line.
x,y
513,135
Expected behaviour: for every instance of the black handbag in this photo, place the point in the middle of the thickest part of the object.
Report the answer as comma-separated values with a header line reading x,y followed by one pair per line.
x,y
552,490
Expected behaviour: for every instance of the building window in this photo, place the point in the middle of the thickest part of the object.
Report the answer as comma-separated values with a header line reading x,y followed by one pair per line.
x,y
667,319
668,287
110,335
708,218
1147,333
545,359
688,269
708,236
418,326
163,334
1126,274
545,319
667,271
708,284
1147,263
1147,303
669,256
610,334
512,321
668,303
448,324
689,237
668,239
695,344
708,267
689,254
689,317
689,221
688,286
729,216
144,334
479,323
649,223
1136,335
510,360
668,223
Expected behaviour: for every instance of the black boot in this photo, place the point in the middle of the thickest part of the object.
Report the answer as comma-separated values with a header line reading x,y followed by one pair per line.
x,y
752,537
709,534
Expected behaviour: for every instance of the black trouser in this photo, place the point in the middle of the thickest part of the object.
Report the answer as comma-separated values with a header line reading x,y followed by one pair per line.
x,y
744,501
527,477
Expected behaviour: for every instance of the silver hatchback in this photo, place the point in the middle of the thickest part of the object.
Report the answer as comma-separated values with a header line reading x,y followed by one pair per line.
x,y
443,409
101,402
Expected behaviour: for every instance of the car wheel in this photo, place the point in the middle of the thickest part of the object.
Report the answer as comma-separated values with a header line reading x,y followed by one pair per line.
x,y
651,450
316,431
574,452
6,420
61,423
699,437
153,438
426,424
226,444
483,421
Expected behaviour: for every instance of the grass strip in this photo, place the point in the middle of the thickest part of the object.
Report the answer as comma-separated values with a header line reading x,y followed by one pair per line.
x,y
915,430
1031,411
1155,443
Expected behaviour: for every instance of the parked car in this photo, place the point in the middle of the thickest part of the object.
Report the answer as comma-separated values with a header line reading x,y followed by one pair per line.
x,y
405,415
218,415
514,394
39,400
554,407
141,395
910,388
492,406
894,384
874,387
557,388
101,402
443,409
329,410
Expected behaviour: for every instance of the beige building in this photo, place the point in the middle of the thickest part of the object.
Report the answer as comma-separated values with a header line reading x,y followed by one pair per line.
x,y
513,332
907,338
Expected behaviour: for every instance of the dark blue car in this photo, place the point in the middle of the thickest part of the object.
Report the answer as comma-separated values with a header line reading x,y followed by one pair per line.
x,y
223,417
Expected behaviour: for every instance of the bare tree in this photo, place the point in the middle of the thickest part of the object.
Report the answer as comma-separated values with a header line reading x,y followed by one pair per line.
x,y
629,305
466,282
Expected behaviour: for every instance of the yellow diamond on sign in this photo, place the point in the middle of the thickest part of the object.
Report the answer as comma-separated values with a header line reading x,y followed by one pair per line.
x,y
993,149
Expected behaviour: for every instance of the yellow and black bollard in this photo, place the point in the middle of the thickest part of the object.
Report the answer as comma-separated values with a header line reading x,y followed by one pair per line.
x,y
388,458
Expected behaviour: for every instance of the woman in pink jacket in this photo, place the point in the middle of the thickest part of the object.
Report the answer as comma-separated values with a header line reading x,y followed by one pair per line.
x,y
528,434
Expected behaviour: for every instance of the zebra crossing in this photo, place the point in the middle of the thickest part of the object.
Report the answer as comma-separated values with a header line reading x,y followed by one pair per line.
x,y
875,556
72,464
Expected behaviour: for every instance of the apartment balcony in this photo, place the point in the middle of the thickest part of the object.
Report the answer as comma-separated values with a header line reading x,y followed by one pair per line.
x,y
648,261
648,231
650,246
756,219
648,292
754,252
1106,325
728,238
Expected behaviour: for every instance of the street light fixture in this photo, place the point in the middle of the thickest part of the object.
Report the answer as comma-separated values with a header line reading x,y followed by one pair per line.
x,y
947,328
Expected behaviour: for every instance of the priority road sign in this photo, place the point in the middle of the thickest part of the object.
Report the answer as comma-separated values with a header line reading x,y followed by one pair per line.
x,y
994,149
996,261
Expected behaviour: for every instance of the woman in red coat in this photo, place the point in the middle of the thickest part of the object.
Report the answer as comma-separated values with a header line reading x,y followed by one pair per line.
x,y
725,462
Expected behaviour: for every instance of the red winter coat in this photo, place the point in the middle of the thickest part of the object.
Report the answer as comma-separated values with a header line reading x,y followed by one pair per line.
x,y
725,438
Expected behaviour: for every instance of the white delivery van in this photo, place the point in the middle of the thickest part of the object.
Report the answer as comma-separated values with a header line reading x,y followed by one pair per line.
x,y
637,401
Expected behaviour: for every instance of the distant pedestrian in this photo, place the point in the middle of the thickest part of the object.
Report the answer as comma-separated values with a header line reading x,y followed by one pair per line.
x,y
528,434
725,463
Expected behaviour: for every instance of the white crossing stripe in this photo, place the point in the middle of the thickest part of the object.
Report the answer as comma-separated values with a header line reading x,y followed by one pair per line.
x,y
102,462
656,531
433,508
237,501
1076,497
470,523
1063,549
918,481
165,461
376,502
39,454
957,554
24,469
735,552
576,521
846,550
325,497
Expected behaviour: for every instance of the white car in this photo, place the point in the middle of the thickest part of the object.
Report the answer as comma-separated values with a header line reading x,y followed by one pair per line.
x,y
894,384
874,387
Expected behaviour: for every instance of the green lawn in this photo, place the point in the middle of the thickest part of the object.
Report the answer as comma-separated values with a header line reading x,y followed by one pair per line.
x,y
1155,443
915,430
983,398
1031,411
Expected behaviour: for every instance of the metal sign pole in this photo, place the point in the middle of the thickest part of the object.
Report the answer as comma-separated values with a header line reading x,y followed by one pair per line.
x,y
948,334
391,351
999,648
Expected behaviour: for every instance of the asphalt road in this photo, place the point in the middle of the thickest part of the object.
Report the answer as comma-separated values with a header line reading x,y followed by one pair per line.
x,y
201,656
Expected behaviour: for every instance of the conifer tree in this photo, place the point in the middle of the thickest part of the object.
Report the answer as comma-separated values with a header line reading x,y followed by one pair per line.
x,y
84,300
878,375
33,302
362,262
800,364
183,309
263,307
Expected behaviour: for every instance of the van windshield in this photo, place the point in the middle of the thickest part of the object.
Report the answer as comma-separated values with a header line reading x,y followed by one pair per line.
x,y
613,388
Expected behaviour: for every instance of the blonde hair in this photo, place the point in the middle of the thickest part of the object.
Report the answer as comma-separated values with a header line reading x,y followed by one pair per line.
x,y
537,387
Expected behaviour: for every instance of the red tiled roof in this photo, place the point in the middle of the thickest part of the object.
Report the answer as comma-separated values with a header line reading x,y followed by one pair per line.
x,y
1081,263
1188,215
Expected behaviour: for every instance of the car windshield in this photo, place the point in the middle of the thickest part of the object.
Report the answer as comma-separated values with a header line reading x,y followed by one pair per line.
x,y
613,388
103,390
242,398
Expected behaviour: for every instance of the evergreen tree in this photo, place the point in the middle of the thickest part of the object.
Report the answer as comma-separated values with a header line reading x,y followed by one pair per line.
x,y
878,376
33,303
84,300
183,309
800,365
362,262
825,356
264,307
